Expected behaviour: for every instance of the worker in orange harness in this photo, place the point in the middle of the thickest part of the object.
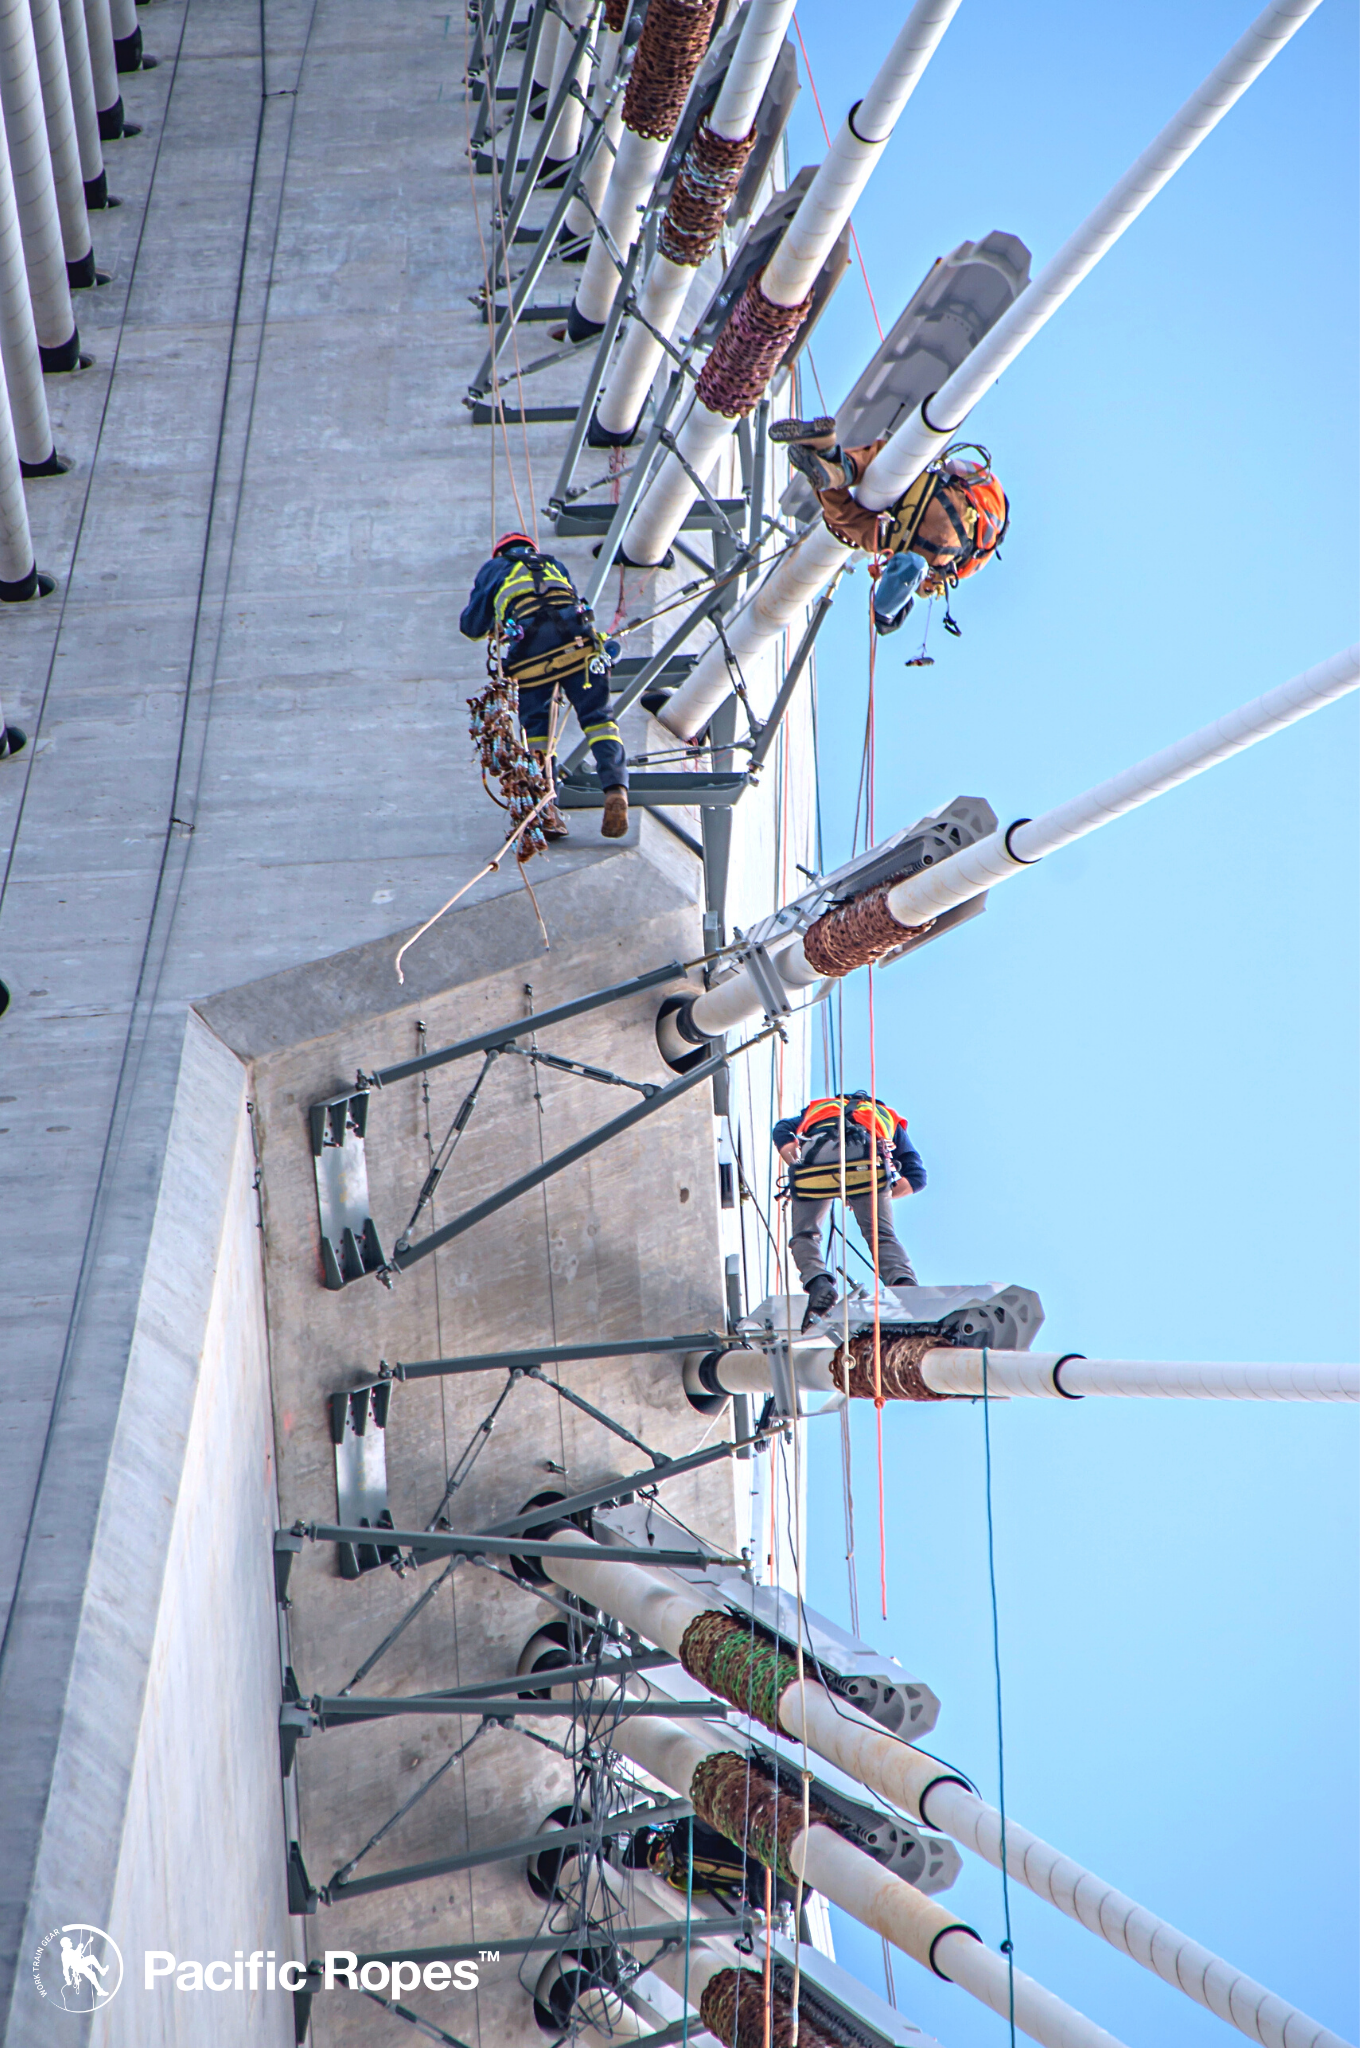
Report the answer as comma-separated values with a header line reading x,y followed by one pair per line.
x,y
846,1143
946,525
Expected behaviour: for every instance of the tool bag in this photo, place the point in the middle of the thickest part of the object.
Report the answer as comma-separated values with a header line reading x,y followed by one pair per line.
x,y
955,515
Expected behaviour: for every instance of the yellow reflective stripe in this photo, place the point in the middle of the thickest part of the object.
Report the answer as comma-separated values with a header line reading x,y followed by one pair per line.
x,y
607,731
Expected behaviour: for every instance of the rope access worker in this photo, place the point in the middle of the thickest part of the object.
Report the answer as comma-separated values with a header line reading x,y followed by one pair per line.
x,y
876,1145
547,639
946,525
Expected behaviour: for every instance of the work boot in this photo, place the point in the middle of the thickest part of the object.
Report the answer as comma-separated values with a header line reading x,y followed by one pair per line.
x,y
818,433
823,472
614,823
821,1296
552,824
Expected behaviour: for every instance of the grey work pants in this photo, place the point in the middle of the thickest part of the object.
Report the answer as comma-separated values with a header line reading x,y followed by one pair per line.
x,y
806,1220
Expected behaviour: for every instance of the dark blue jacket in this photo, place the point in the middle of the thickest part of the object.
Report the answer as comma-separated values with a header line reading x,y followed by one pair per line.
x,y
479,613
906,1158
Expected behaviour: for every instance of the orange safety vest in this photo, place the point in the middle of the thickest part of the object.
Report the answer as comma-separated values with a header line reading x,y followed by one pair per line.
x,y
875,1117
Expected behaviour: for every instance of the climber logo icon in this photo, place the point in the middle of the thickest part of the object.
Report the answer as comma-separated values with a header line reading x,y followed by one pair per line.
x,y
77,1967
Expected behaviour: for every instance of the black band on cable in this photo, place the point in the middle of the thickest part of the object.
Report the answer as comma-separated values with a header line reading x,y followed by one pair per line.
x,y
1066,1359
929,422
945,1778
873,141
1019,858
958,1927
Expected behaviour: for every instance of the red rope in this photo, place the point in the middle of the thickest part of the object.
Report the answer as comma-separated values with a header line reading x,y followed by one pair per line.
x,y
870,764
826,132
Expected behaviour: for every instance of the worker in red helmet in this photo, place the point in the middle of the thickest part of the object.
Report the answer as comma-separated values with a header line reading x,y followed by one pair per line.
x,y
547,640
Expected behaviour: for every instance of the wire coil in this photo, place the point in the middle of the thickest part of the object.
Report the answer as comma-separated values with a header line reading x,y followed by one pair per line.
x,y
748,352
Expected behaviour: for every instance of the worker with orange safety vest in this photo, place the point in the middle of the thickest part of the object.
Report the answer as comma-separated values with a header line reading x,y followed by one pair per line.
x,y
856,1148
947,524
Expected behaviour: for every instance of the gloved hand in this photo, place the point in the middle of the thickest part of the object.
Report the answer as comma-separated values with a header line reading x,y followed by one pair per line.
x,y
789,1153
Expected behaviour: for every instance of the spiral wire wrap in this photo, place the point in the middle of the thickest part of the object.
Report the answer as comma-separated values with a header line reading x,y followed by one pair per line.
x,y
701,195
674,37
748,352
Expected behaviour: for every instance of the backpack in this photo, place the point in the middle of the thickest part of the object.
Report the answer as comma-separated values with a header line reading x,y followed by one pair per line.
x,y
955,515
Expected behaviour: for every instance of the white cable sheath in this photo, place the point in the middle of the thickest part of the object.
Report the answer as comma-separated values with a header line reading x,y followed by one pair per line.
x,y
62,142
580,216
123,19
546,58
792,270
34,189
1032,1373
16,543
31,426
1006,853
667,283
80,77
637,165
852,1880
796,581
915,444
1127,1926
108,96
964,875
566,136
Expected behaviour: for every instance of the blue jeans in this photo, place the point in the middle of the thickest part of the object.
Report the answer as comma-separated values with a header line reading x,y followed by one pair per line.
x,y
896,587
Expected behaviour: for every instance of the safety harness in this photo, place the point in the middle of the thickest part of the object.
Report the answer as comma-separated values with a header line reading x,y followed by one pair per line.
x,y
535,591
869,1129
955,515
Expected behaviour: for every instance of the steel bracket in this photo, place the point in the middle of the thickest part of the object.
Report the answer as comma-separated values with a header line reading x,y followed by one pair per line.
x,y
350,1246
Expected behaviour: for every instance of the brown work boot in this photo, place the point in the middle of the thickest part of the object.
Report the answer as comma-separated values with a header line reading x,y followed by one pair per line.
x,y
823,472
818,433
615,821
552,824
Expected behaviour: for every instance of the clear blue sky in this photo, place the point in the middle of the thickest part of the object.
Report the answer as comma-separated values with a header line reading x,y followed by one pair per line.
x,y
1133,1080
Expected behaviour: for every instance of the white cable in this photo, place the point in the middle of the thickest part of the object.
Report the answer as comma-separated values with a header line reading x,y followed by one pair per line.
x,y
34,189
915,444
31,426
80,77
1022,1373
62,143
108,96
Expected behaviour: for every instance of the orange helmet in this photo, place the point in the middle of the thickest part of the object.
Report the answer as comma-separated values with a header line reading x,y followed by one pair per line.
x,y
512,540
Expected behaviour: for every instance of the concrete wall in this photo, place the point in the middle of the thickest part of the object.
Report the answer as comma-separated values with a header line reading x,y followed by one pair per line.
x,y
166,1822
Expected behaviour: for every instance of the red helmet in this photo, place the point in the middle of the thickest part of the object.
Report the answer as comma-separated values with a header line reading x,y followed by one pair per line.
x,y
512,540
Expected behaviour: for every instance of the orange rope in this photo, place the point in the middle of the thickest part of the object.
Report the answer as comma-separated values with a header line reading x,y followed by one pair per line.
x,y
870,765
826,133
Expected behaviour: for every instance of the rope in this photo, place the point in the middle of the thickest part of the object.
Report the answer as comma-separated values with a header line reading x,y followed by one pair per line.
x,y
674,37
826,136
870,771
748,351
1008,1945
748,1672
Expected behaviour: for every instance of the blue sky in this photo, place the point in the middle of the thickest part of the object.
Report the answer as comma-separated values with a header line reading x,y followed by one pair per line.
x,y
1133,1080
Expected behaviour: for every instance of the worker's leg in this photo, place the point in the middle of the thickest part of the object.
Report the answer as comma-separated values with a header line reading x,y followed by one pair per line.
x,y
850,521
805,1238
535,717
894,1267
588,692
